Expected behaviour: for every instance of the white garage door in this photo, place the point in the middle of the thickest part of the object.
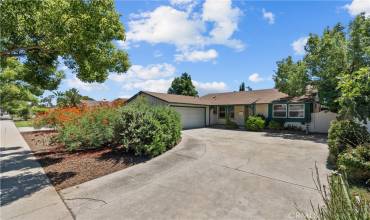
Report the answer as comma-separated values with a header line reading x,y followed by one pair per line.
x,y
191,117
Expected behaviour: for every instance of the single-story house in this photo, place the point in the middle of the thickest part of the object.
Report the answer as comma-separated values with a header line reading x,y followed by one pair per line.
x,y
215,108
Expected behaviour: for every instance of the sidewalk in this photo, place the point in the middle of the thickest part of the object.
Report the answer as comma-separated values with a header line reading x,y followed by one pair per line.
x,y
26,192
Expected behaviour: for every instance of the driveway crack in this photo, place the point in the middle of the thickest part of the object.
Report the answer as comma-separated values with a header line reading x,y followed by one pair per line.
x,y
87,198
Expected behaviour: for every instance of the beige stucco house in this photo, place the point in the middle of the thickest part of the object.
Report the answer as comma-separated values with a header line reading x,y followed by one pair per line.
x,y
215,108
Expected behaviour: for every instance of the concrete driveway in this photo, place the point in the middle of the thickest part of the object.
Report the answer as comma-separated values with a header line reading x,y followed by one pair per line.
x,y
212,173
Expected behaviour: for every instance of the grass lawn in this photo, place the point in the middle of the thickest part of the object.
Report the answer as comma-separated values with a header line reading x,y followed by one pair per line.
x,y
23,123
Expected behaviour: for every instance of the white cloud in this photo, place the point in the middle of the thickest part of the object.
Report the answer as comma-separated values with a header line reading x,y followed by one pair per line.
x,y
358,6
269,16
198,55
152,71
166,25
255,77
209,87
74,82
122,45
185,29
299,44
225,22
156,85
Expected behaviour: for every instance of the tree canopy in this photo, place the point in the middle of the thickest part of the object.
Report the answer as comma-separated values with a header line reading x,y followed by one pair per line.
x,y
334,62
40,34
69,98
242,87
291,77
183,86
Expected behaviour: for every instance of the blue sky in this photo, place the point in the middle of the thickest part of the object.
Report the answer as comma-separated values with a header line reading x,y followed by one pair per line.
x,y
220,43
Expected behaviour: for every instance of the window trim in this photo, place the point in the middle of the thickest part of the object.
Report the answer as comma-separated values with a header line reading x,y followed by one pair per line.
x,y
304,110
273,110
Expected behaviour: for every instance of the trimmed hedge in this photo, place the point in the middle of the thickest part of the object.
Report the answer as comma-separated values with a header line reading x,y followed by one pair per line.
x,y
275,125
147,130
254,123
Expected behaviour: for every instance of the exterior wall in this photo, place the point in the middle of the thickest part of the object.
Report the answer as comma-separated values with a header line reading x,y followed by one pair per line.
x,y
239,114
262,109
151,100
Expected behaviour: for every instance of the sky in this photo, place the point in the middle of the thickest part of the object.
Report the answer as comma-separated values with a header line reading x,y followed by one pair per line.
x,y
220,43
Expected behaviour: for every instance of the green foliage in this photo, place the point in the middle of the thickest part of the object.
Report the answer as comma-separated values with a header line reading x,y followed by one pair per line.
x,y
291,77
15,95
275,125
81,32
355,97
93,129
356,163
254,123
69,98
326,59
183,86
331,61
231,124
35,110
343,135
147,130
338,203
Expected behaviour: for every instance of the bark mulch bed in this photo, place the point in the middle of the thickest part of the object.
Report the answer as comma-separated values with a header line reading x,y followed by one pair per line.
x,y
66,169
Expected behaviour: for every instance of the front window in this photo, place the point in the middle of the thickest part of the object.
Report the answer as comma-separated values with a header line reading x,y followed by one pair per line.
x,y
222,112
231,112
296,111
279,110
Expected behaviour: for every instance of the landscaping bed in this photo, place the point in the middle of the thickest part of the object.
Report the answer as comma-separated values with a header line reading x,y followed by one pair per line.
x,y
65,168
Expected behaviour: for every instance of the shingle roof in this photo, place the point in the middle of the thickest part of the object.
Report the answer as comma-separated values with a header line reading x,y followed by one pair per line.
x,y
227,98
244,97
171,98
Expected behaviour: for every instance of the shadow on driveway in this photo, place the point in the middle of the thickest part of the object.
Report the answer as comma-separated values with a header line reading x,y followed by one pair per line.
x,y
317,138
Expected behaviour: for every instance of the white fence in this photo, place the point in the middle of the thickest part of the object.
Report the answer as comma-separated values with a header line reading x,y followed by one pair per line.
x,y
320,121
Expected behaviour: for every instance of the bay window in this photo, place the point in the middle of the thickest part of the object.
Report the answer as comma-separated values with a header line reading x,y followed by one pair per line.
x,y
296,111
279,110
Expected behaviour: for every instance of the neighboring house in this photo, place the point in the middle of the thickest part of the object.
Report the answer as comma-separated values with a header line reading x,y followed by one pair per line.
x,y
213,109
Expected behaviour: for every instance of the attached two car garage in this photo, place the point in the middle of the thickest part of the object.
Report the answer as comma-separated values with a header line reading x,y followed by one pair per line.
x,y
192,116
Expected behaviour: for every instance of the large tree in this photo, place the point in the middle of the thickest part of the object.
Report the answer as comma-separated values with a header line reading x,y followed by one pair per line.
x,y
183,86
291,77
39,33
69,98
334,61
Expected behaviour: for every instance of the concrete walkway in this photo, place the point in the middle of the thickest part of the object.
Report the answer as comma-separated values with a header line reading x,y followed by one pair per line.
x,y
26,192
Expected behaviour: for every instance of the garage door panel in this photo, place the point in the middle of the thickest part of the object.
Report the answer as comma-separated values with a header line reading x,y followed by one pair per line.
x,y
191,117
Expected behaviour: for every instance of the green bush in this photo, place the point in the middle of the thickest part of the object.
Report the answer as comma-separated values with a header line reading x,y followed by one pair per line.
x,y
345,134
275,125
231,124
254,123
147,130
92,129
338,203
356,163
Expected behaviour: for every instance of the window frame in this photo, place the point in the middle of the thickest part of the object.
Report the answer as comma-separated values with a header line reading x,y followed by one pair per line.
x,y
273,111
304,110
219,112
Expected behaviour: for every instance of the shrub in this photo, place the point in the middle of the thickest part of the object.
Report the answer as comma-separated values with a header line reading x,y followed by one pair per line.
x,y
338,203
147,130
254,123
231,124
92,129
344,134
356,163
58,116
275,125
